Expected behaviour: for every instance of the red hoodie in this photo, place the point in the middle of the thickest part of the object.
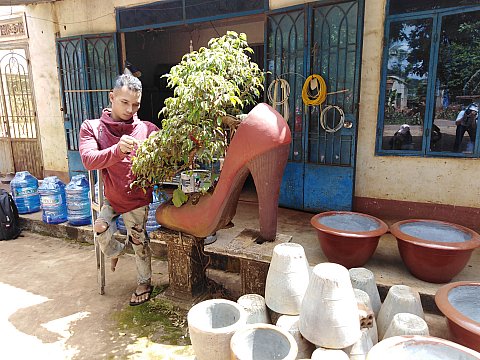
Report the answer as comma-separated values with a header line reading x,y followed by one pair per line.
x,y
99,150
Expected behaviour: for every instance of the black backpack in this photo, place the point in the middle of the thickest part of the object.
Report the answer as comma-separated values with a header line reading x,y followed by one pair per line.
x,y
9,219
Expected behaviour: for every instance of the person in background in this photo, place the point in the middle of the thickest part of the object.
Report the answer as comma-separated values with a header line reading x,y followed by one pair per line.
x,y
466,121
108,144
402,139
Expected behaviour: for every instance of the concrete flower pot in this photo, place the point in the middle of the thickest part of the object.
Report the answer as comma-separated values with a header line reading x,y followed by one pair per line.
x,y
434,251
211,324
290,324
460,303
329,315
348,238
400,299
364,279
261,342
254,305
406,324
287,279
420,347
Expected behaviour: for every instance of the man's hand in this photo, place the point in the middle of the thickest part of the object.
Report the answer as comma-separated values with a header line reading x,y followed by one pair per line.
x,y
127,143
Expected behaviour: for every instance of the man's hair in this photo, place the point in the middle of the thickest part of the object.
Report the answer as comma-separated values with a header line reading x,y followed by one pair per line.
x,y
130,81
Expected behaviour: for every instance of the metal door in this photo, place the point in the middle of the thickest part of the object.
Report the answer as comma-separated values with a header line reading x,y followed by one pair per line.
x,y
324,40
88,66
19,141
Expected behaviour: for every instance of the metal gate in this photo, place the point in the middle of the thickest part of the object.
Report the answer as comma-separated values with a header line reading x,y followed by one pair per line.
x,y
88,66
324,40
19,141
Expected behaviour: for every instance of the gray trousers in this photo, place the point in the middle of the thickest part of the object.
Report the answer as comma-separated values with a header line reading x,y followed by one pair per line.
x,y
135,221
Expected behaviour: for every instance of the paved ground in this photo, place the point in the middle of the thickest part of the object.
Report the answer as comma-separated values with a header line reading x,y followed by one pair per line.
x,y
50,308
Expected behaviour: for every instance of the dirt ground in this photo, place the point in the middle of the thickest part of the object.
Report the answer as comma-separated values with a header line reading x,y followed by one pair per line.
x,y
50,307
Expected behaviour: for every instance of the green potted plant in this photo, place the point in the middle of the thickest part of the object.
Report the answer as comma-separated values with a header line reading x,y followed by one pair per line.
x,y
211,86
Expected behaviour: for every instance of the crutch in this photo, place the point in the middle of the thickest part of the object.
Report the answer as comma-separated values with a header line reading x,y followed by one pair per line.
x,y
96,203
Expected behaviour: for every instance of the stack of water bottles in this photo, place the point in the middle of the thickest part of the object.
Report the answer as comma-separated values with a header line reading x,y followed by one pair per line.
x,y
159,197
78,201
24,188
53,200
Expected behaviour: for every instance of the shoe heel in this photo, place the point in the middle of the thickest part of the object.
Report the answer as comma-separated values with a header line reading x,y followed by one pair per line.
x,y
267,171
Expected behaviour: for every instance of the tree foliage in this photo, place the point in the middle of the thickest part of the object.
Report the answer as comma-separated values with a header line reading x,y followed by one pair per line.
x,y
209,84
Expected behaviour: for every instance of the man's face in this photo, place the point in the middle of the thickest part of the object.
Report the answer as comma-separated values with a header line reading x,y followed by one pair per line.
x,y
125,103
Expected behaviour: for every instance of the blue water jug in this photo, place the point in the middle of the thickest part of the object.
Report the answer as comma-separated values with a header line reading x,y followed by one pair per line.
x,y
78,201
121,226
53,200
24,187
158,198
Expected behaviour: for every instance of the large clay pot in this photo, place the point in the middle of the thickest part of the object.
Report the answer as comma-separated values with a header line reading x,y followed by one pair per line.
x,y
460,303
211,324
434,251
417,347
348,238
261,342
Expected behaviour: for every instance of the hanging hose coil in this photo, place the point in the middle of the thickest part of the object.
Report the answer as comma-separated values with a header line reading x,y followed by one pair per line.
x,y
323,120
314,91
272,95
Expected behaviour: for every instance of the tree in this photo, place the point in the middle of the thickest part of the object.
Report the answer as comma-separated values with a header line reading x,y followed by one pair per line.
x,y
209,85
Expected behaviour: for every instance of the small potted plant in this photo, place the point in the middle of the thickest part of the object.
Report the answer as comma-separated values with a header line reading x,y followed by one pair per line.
x,y
211,86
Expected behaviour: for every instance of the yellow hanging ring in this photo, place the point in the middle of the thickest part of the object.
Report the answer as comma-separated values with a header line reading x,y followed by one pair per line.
x,y
314,91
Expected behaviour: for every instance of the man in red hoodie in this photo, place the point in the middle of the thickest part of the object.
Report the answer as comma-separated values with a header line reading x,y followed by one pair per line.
x,y
108,144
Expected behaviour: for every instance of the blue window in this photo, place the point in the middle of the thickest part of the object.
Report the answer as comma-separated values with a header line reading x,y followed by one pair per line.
x,y
430,86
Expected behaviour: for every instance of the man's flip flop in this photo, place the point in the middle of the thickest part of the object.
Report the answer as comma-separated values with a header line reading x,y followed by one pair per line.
x,y
149,292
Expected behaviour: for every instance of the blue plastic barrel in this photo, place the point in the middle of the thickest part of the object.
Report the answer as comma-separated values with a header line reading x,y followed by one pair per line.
x,y
53,200
78,201
24,187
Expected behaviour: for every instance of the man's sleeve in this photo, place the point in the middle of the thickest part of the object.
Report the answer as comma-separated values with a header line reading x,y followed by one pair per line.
x,y
92,157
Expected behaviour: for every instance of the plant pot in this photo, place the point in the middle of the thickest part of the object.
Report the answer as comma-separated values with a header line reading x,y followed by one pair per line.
x,y
460,303
399,299
290,324
261,342
254,305
434,251
287,279
329,315
348,238
211,324
420,347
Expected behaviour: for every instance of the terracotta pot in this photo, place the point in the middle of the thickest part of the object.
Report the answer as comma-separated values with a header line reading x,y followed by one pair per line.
x,y
460,303
348,238
420,347
434,251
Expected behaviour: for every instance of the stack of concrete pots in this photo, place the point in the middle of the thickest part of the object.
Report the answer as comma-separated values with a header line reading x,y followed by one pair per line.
x,y
327,312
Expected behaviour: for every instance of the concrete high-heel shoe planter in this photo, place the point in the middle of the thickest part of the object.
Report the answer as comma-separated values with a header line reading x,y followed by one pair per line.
x,y
400,299
329,313
434,251
290,324
364,279
255,307
406,324
287,279
262,342
415,347
211,324
363,299
460,303
348,238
